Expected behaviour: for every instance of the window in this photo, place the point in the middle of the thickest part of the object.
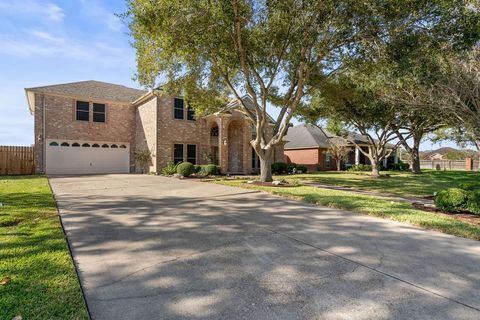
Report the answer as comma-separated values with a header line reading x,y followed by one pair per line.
x,y
75,144
123,146
327,160
65,144
177,153
53,144
255,160
190,113
85,145
214,132
98,112
95,145
114,146
105,145
192,153
82,111
178,109
254,132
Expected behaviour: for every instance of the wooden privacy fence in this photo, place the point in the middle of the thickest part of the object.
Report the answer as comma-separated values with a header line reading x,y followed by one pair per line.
x,y
16,160
449,165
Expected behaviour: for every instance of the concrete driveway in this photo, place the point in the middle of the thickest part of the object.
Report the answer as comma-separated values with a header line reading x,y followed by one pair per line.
x,y
149,247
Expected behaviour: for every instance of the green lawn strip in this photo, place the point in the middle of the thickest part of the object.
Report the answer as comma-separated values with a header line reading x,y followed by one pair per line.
x,y
35,255
374,206
402,183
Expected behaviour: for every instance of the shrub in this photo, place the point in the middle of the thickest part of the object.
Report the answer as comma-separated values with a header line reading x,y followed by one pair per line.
x,y
209,170
279,167
473,201
185,169
470,186
291,166
451,200
170,169
400,166
197,168
360,167
304,169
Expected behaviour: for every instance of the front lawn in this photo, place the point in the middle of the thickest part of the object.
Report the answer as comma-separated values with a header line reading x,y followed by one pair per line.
x,y
403,183
34,255
374,206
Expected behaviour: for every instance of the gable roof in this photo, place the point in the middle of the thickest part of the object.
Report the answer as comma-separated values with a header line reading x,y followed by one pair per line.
x,y
91,89
248,102
310,136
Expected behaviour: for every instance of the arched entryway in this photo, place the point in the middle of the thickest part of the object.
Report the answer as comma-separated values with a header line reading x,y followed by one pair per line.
x,y
235,147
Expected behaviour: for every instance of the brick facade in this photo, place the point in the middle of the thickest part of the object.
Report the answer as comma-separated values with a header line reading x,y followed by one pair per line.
x,y
150,124
60,123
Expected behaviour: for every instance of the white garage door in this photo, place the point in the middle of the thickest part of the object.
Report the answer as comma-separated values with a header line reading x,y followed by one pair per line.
x,y
84,157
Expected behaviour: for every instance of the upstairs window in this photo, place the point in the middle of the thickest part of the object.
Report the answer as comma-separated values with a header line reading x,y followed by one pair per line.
x,y
177,153
190,114
98,112
192,153
178,109
82,111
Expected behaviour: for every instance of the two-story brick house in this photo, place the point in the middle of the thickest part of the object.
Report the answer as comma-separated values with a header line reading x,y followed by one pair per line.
x,y
96,127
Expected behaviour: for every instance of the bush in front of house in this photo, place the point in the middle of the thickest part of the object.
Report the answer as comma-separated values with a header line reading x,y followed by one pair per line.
x,y
360,167
301,168
451,200
473,201
400,166
279,167
185,169
169,169
291,166
209,170
470,186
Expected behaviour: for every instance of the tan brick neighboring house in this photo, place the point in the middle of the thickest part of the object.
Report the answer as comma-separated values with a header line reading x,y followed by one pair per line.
x,y
96,127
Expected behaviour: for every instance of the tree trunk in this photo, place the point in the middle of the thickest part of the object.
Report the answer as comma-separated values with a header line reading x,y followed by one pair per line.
x,y
375,171
339,164
415,155
265,157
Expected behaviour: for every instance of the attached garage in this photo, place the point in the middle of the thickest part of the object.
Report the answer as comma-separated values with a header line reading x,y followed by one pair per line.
x,y
87,157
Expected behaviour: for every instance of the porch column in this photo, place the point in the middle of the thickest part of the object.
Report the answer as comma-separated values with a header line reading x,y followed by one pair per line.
x,y
357,155
395,156
385,162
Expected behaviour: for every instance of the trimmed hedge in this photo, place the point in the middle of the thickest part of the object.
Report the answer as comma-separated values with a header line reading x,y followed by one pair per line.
x,y
400,166
209,170
185,169
451,200
304,169
360,167
470,186
473,201
279,167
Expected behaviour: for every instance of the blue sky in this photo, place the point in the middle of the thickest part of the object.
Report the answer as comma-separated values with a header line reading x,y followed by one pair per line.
x,y
46,42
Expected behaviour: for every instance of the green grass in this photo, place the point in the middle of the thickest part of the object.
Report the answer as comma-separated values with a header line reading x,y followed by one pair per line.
x,y
374,206
35,255
403,183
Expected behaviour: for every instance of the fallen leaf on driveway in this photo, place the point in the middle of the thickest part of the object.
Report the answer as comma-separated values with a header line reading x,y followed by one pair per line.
x,y
5,281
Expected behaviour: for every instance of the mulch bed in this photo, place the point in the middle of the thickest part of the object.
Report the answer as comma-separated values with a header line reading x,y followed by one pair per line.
x,y
462,216
270,184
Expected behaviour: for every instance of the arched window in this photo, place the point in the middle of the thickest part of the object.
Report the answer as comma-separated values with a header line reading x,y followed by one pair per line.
x,y
65,144
75,144
53,144
123,146
85,145
114,146
95,145
105,145
214,131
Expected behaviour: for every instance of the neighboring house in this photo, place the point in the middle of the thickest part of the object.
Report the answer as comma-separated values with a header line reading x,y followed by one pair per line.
x,y
308,145
434,156
96,127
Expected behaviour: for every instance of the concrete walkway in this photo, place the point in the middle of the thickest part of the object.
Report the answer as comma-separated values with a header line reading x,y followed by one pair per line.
x,y
149,247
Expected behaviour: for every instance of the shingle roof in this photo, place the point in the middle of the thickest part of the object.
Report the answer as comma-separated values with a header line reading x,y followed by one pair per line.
x,y
310,136
247,100
92,89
